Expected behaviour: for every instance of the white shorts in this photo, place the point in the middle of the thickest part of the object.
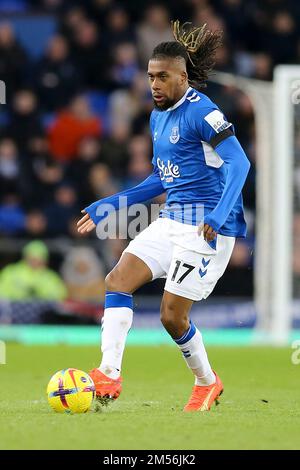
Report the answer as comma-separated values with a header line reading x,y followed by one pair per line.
x,y
175,251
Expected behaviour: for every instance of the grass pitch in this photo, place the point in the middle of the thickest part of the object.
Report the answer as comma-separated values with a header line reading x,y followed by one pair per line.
x,y
260,407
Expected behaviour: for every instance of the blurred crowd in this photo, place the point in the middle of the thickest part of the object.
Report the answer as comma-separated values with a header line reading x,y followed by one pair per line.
x,y
75,126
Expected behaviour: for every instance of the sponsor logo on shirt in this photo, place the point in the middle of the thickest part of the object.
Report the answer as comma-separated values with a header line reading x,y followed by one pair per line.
x,y
175,136
217,121
168,171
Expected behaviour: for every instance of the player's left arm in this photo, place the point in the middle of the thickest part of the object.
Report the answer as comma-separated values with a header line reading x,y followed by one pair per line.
x,y
237,165
219,133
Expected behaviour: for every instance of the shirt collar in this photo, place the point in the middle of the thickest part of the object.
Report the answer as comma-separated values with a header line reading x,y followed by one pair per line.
x,y
180,101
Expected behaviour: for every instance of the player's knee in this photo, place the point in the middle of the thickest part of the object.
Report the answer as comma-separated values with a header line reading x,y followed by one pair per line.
x,y
174,322
112,281
168,321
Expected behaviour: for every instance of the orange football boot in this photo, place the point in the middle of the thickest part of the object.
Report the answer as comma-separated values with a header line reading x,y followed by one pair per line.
x,y
106,389
203,397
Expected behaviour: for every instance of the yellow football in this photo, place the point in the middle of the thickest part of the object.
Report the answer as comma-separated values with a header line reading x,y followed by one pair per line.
x,y
71,391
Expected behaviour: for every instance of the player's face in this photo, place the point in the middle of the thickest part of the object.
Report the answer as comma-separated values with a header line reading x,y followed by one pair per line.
x,y
168,82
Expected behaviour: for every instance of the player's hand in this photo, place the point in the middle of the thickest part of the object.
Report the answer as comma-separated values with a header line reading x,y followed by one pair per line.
x,y
85,224
209,233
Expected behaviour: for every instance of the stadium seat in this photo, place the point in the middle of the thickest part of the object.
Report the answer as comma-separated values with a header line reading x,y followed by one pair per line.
x,y
34,32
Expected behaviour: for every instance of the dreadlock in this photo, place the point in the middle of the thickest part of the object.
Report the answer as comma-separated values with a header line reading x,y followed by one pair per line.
x,y
197,46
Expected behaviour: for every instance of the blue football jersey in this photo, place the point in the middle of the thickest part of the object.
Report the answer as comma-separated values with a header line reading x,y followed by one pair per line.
x,y
191,171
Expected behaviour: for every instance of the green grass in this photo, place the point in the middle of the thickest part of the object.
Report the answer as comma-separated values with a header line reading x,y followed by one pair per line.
x,y
148,414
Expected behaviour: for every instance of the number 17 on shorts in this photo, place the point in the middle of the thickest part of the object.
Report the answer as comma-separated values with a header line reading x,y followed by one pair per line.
x,y
194,275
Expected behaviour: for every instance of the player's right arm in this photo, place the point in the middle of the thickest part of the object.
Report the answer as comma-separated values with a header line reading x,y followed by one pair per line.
x,y
148,189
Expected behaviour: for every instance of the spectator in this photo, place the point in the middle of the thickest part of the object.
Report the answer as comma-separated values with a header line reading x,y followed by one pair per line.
x,y
234,14
263,67
281,42
140,162
48,174
90,55
154,29
43,174
35,223
50,6
25,122
125,66
58,78
12,217
83,274
224,61
114,151
13,59
9,166
244,116
128,104
254,65
112,250
71,21
207,14
78,170
117,27
30,278
70,127
99,9
241,255
100,182
59,211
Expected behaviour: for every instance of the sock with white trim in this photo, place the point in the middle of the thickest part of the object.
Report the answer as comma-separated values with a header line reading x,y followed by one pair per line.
x,y
194,353
116,323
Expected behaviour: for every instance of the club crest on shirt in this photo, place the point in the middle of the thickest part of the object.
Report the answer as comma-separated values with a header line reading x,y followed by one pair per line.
x,y
175,136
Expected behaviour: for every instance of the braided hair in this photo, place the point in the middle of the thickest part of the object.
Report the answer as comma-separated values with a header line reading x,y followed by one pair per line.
x,y
197,46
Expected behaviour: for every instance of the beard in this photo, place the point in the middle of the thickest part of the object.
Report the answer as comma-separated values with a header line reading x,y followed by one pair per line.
x,y
168,103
